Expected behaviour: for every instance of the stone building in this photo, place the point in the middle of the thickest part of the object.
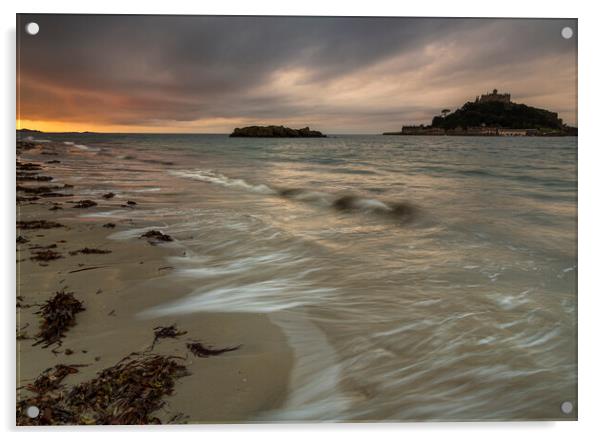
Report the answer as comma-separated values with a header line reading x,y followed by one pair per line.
x,y
494,97
482,131
512,132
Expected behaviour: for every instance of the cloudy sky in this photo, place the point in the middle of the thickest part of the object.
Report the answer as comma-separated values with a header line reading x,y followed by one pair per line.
x,y
336,74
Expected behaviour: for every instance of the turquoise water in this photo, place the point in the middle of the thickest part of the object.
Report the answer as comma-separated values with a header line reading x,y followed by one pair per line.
x,y
416,278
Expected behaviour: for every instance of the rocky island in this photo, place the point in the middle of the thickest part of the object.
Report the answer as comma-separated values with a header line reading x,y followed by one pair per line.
x,y
275,131
492,114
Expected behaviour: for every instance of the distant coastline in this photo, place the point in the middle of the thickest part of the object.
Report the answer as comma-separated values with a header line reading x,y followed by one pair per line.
x,y
479,131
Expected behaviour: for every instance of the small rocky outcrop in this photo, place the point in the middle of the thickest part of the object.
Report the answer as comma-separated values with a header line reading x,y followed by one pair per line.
x,y
275,131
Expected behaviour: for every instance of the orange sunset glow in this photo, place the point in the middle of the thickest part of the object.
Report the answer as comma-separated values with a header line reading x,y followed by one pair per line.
x,y
339,75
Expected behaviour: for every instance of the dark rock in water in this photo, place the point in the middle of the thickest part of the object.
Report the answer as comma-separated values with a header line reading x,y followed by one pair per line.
x,y
109,225
291,192
85,204
155,236
344,203
275,131
131,203
22,240
108,195
403,212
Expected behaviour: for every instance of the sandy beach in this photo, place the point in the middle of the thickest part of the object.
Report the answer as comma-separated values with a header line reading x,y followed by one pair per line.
x,y
114,288
341,293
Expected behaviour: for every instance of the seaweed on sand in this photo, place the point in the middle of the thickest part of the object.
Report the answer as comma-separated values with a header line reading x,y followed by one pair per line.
x,y
32,177
39,246
42,190
87,251
27,166
45,255
51,378
166,332
38,224
22,335
27,199
200,350
109,225
22,240
127,393
155,236
85,204
58,315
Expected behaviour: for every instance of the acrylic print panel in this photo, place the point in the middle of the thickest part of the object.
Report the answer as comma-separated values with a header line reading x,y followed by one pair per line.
x,y
266,219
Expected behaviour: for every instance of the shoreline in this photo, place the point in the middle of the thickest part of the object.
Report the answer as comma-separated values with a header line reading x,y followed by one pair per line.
x,y
478,135
115,287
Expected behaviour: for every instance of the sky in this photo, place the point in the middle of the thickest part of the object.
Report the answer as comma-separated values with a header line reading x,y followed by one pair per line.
x,y
210,74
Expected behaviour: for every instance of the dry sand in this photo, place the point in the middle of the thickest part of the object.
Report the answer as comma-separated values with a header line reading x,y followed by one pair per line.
x,y
234,387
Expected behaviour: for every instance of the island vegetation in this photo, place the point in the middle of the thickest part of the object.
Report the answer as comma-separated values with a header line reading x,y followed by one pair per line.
x,y
275,131
493,114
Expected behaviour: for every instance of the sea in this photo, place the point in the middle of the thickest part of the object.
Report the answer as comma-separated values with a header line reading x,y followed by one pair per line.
x,y
414,277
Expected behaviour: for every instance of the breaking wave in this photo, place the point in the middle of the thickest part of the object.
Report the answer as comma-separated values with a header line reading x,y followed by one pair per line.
x,y
80,146
347,203
222,180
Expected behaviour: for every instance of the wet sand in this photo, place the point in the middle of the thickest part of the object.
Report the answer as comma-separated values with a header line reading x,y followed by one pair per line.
x,y
237,386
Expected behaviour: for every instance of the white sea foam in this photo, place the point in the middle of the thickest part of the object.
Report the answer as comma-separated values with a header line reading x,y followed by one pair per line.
x,y
372,204
259,297
40,141
314,390
144,190
236,266
222,180
131,233
81,146
115,213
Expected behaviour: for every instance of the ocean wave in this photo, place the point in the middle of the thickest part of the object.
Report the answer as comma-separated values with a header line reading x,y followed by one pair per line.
x,y
257,297
347,203
222,180
40,141
80,146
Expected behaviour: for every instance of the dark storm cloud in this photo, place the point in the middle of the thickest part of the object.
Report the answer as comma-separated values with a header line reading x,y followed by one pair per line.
x,y
161,70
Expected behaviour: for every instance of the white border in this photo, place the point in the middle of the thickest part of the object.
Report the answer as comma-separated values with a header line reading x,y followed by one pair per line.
x,y
590,243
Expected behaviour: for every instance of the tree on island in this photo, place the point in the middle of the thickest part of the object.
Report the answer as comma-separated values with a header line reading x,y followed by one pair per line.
x,y
499,114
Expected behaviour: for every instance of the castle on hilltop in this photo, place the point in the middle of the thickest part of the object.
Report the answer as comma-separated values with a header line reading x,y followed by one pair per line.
x,y
494,97
492,114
